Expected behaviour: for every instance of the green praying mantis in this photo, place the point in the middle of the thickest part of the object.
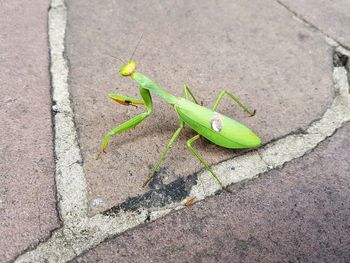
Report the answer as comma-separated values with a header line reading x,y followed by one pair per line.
x,y
216,127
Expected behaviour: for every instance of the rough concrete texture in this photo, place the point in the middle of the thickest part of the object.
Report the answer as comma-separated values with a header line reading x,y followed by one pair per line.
x,y
298,213
70,180
274,63
330,17
27,193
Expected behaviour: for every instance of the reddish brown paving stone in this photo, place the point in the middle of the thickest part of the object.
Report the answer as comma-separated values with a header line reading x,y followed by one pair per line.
x,y
299,213
27,192
271,61
331,17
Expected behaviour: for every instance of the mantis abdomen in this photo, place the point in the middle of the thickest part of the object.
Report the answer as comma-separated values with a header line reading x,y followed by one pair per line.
x,y
216,127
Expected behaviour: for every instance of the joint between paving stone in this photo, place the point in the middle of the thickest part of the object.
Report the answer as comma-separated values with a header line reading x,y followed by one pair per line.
x,y
53,112
57,4
70,179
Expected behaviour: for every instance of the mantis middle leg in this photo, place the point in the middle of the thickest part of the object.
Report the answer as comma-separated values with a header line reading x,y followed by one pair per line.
x,y
147,100
167,148
187,93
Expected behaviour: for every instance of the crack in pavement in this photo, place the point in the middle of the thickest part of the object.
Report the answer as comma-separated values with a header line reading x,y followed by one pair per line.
x,y
306,22
81,233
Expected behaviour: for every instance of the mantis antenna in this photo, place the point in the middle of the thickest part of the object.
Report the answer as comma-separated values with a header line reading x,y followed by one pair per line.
x,y
138,43
117,58
133,53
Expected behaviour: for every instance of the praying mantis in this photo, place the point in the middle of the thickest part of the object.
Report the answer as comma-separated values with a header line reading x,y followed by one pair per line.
x,y
217,128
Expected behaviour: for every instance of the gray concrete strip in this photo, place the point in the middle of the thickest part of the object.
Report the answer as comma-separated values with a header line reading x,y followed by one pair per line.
x,y
271,61
70,178
331,17
27,187
298,213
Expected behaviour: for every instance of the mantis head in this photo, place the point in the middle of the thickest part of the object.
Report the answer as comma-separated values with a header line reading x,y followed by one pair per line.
x,y
128,69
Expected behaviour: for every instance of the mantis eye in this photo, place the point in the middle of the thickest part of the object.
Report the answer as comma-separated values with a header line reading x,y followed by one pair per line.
x,y
216,124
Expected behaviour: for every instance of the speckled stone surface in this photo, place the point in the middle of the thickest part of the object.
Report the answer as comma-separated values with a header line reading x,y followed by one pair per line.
x,y
299,213
27,192
255,49
330,17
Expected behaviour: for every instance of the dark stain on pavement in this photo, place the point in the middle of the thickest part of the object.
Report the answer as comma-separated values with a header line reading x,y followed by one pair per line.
x,y
176,191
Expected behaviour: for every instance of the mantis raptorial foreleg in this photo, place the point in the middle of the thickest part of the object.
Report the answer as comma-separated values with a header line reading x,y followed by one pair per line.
x,y
147,100
222,93
170,143
123,127
124,100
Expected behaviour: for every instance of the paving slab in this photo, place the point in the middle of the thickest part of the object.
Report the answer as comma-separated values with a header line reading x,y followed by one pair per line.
x,y
27,192
299,213
272,62
331,17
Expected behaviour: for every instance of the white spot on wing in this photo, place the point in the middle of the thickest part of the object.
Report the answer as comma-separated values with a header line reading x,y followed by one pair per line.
x,y
216,124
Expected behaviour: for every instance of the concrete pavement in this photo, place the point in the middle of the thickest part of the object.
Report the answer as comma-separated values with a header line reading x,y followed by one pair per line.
x,y
289,64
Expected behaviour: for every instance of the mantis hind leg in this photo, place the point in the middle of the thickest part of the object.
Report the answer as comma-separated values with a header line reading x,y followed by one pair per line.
x,y
200,158
170,143
222,93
